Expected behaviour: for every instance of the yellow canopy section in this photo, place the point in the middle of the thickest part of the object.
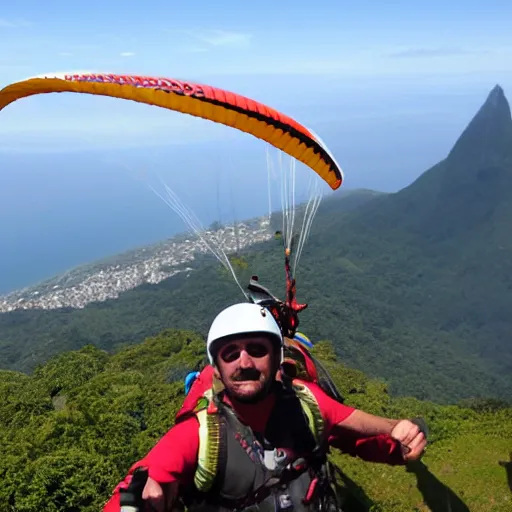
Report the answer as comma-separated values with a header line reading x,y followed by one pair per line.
x,y
203,101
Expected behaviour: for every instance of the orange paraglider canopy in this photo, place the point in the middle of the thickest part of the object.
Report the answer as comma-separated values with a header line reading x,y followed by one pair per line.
x,y
203,101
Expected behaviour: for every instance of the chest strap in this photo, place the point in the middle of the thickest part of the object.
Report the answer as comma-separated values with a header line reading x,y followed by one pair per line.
x,y
210,438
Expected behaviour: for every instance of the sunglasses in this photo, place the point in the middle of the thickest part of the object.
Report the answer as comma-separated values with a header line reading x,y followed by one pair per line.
x,y
232,352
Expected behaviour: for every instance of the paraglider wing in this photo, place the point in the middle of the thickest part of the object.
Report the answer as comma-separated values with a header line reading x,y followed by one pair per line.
x,y
203,101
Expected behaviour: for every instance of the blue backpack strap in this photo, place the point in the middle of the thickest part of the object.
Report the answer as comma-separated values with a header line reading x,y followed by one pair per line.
x,y
189,380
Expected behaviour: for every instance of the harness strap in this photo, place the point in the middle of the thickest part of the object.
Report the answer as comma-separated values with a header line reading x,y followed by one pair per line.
x,y
312,411
209,445
210,436
275,479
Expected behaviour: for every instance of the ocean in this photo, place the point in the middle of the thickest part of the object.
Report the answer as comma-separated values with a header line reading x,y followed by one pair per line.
x,y
58,211
65,208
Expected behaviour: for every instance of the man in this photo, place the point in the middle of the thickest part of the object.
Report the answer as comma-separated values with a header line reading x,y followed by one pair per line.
x,y
271,451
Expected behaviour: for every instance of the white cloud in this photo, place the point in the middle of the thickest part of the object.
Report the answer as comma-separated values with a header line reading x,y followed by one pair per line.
x,y
85,132
196,49
216,38
127,54
419,52
15,23
224,38
65,54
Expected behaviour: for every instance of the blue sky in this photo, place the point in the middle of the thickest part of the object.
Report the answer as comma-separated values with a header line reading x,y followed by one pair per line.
x,y
231,37
389,86
274,51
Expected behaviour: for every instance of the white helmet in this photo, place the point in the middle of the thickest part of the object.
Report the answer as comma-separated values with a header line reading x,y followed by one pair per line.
x,y
243,318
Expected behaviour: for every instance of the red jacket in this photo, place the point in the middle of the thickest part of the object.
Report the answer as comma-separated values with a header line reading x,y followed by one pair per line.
x,y
174,457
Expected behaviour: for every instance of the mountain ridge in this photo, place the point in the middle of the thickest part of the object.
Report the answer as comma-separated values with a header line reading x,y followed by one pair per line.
x,y
459,178
411,287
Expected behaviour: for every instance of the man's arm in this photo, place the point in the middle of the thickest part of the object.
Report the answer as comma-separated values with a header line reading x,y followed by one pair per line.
x,y
363,425
366,425
172,461
373,438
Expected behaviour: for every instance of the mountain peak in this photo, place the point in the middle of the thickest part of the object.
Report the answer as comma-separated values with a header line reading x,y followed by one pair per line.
x,y
496,98
470,188
496,107
488,137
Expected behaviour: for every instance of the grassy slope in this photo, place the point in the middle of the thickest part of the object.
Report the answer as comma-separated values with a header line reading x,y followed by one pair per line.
x,y
70,431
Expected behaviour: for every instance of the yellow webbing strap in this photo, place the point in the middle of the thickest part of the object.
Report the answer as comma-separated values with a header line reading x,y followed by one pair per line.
x,y
209,442
311,409
209,434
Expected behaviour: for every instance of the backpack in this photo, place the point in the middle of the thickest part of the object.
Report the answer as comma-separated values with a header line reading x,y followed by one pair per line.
x,y
298,363
211,448
299,366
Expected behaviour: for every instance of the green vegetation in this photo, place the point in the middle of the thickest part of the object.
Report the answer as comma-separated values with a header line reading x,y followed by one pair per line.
x,y
374,305
414,288
70,431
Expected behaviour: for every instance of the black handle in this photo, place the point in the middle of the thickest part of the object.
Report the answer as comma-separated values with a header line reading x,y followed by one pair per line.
x,y
132,496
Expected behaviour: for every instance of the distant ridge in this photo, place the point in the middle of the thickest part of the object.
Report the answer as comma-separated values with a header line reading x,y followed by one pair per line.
x,y
413,287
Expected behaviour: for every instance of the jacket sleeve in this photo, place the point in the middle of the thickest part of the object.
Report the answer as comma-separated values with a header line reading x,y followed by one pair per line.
x,y
173,458
381,448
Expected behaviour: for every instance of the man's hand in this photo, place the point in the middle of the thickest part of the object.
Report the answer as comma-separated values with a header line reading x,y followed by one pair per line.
x,y
158,499
411,438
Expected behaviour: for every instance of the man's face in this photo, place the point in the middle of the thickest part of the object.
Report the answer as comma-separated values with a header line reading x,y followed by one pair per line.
x,y
247,367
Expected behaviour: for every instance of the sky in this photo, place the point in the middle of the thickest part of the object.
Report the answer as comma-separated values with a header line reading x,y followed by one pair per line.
x,y
283,54
388,86
330,53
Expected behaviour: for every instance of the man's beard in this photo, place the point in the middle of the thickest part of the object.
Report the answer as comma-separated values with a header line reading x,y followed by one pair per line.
x,y
251,374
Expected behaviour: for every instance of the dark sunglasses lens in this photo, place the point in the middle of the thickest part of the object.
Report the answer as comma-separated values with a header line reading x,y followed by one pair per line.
x,y
232,353
257,350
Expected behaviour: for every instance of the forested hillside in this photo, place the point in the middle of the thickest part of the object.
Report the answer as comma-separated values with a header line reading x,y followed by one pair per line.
x,y
413,287
70,431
